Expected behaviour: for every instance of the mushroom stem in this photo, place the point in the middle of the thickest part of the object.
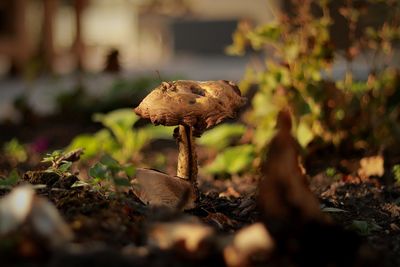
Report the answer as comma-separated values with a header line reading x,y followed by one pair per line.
x,y
187,158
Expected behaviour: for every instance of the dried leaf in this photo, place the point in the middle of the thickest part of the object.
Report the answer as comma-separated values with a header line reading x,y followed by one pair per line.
x,y
248,242
331,209
284,188
159,189
188,236
220,220
230,192
371,166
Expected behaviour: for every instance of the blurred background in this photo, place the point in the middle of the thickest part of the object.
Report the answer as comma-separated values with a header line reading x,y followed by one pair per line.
x,y
45,43
63,36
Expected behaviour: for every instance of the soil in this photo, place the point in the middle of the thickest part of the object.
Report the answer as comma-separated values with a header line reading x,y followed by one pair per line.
x,y
111,229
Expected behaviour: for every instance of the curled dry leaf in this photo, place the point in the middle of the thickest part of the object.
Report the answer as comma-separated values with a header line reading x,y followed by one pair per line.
x,y
284,193
247,243
220,220
160,189
371,166
199,104
189,237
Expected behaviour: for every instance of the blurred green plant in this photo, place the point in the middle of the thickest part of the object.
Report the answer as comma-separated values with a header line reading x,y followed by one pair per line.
x,y
365,228
108,172
119,138
122,93
15,150
221,136
232,160
295,69
10,180
396,173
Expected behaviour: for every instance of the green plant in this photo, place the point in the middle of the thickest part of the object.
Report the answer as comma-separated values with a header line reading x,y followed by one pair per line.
x,y
119,139
233,160
61,161
365,228
222,135
396,173
10,180
107,172
299,53
15,150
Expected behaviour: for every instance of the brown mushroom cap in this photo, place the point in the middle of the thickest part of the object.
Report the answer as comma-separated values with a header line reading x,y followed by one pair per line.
x,y
198,104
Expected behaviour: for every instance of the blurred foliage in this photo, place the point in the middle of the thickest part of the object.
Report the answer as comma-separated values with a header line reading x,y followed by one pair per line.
x,y
16,151
396,173
221,136
11,180
233,160
119,138
297,53
365,228
123,93
108,172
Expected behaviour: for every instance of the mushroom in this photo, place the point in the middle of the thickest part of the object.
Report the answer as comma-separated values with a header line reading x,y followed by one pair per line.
x,y
193,106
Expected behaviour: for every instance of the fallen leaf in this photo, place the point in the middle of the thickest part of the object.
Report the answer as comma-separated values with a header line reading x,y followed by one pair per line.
x,y
364,227
331,209
230,192
371,166
159,189
220,220
394,227
247,243
284,188
187,236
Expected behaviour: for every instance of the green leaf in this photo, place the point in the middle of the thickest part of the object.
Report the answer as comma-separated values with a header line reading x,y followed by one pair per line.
x,y
65,166
233,160
159,131
304,133
130,170
98,171
50,157
119,121
15,150
221,136
121,182
79,184
364,227
396,173
110,163
11,180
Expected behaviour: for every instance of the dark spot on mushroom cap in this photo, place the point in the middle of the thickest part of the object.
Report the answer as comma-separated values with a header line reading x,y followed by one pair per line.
x,y
197,90
192,101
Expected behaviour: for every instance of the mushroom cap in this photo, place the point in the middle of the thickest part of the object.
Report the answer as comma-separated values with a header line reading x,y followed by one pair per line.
x,y
200,104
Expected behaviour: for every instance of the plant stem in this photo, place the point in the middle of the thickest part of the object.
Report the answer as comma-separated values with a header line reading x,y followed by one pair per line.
x,y
187,158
